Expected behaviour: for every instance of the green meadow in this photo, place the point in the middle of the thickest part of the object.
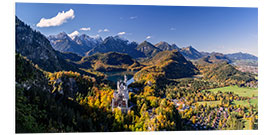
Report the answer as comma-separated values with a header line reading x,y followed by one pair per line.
x,y
241,91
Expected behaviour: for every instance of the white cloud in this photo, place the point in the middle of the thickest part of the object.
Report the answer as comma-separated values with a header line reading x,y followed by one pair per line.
x,y
58,20
121,33
105,30
133,17
100,30
85,29
73,34
172,28
148,37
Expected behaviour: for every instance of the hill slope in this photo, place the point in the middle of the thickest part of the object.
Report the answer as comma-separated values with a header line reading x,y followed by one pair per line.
x,y
217,68
190,53
51,103
111,61
166,64
214,58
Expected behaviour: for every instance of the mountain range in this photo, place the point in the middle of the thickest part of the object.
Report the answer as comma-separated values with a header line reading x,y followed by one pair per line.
x,y
61,52
241,56
85,45
116,44
78,44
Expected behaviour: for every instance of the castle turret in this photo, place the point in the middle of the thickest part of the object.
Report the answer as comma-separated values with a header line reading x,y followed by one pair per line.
x,y
125,79
120,96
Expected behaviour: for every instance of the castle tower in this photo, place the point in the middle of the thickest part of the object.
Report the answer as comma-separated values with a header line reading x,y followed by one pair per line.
x,y
120,96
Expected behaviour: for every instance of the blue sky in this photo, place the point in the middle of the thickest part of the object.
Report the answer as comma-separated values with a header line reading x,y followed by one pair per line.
x,y
220,29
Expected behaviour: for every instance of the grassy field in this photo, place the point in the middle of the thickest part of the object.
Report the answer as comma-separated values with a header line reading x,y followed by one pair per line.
x,y
254,101
241,91
241,102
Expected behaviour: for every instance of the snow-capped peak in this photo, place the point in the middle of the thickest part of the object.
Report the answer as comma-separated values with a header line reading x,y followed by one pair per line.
x,y
73,34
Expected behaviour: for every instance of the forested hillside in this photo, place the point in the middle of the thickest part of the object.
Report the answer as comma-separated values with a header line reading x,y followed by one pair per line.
x,y
111,61
166,65
37,48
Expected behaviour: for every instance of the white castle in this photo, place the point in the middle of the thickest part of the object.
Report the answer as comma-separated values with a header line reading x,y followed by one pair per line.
x,y
120,96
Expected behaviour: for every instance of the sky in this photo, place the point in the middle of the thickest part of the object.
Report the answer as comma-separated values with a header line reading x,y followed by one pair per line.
x,y
209,29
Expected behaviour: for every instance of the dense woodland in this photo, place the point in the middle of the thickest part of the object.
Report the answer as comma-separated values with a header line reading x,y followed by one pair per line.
x,y
73,102
169,92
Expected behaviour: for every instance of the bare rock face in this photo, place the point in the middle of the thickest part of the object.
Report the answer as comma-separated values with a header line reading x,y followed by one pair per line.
x,y
78,44
116,44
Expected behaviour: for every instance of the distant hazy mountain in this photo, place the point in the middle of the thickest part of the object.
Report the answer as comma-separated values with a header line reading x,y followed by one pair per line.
x,y
78,44
205,53
37,48
86,40
116,44
164,46
245,62
214,58
190,53
148,49
85,45
241,56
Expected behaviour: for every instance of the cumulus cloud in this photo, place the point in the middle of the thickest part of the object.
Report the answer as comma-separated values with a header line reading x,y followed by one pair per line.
x,y
105,30
148,37
85,29
73,34
58,20
121,33
133,17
